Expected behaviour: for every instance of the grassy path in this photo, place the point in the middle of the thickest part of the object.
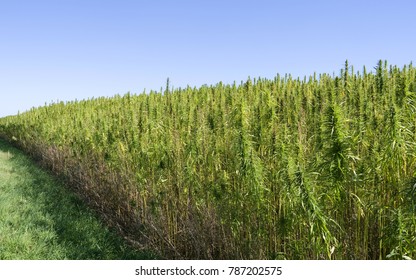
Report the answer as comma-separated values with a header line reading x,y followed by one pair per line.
x,y
41,219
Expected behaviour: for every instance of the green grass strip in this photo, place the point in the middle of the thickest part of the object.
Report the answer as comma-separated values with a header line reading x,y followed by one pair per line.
x,y
40,219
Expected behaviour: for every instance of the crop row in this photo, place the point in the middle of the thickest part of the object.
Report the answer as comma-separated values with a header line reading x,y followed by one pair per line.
x,y
315,168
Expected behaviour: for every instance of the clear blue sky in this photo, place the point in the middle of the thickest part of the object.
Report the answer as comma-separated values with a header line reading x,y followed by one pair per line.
x,y
77,49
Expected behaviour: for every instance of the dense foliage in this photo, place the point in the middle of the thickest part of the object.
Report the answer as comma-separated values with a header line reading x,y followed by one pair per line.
x,y
319,168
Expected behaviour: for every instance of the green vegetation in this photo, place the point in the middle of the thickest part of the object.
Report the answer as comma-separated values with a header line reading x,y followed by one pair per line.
x,y
41,219
319,168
